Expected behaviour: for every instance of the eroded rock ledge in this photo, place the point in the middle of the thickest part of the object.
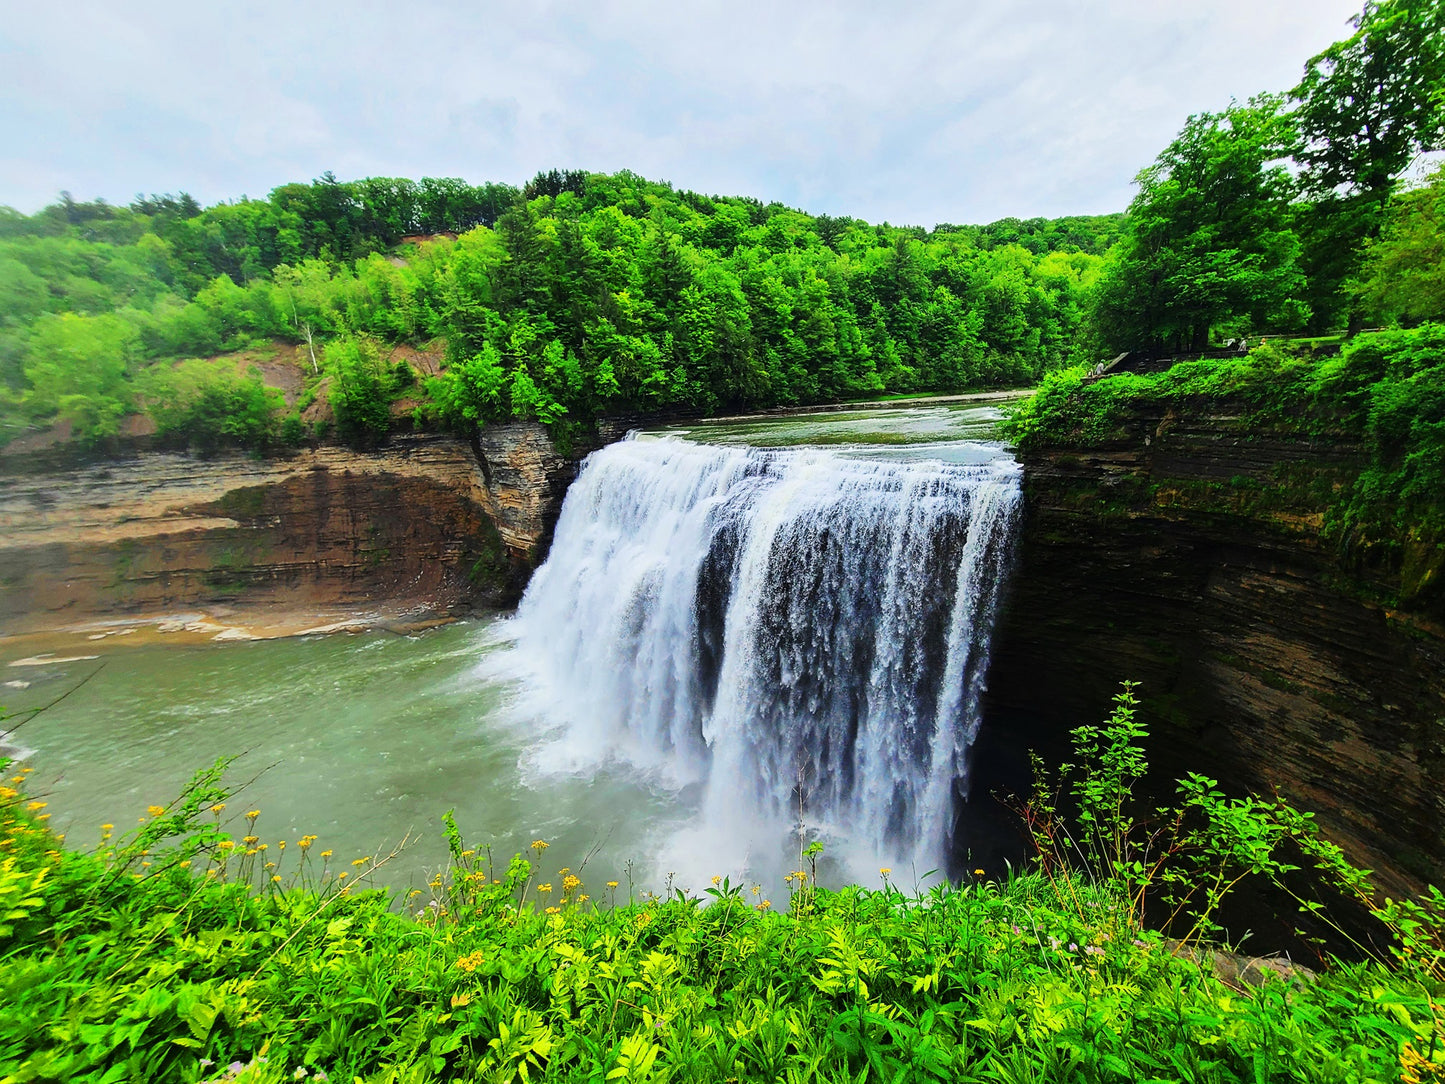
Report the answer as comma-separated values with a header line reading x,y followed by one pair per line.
x,y
1188,556
428,522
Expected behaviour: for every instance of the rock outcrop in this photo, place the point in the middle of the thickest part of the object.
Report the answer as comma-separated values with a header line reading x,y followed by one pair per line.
x,y
1188,556
417,524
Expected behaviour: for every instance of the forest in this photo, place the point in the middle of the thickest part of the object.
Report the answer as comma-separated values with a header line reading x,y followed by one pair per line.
x,y
581,294
575,295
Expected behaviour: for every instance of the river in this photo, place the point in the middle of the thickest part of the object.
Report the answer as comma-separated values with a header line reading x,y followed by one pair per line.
x,y
364,739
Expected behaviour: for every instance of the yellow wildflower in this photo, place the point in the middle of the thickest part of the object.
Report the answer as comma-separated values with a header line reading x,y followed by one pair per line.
x,y
252,814
156,810
611,884
885,871
36,807
470,962
325,854
226,844
716,881
545,887
571,883
540,845
218,807
275,878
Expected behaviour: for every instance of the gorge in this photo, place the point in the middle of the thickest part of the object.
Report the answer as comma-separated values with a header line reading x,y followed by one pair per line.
x,y
1264,660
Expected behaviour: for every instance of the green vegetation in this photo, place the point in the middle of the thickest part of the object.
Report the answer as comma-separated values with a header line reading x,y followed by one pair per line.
x,y
580,294
1223,239
583,294
180,952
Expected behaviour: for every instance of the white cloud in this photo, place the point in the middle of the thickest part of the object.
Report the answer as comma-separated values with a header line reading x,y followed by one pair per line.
x,y
913,112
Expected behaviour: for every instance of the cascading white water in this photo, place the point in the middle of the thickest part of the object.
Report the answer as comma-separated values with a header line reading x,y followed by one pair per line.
x,y
803,632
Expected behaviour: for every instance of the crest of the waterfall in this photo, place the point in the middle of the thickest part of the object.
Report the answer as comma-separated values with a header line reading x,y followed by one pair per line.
x,y
805,632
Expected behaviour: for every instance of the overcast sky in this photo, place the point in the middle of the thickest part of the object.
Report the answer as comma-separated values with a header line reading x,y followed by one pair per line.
x,y
915,113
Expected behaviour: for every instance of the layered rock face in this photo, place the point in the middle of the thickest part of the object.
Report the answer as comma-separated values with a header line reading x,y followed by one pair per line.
x,y
417,524
1187,556
525,478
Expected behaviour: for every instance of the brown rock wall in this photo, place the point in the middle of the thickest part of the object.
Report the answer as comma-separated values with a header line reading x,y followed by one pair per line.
x,y
1189,558
322,529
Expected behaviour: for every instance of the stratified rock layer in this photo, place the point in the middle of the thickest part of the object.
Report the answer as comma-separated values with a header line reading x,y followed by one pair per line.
x,y
417,523
1187,555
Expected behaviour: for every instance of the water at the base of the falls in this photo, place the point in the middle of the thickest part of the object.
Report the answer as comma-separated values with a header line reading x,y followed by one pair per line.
x,y
798,635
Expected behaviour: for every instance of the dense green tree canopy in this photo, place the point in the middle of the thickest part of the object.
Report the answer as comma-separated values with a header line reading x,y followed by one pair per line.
x,y
1210,238
1367,105
1403,277
578,294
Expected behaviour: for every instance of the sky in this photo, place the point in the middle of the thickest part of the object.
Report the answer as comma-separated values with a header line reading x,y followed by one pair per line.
x,y
908,112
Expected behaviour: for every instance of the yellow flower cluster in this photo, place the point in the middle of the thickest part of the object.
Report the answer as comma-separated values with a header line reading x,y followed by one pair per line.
x,y
571,883
470,962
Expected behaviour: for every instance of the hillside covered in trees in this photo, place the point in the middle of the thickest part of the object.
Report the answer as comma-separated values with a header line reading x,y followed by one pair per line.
x,y
582,294
576,295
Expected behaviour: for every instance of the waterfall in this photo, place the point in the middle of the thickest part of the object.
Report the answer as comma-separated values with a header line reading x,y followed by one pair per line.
x,y
802,634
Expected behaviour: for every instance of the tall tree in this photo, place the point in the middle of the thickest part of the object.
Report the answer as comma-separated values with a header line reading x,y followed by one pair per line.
x,y
1209,239
1367,105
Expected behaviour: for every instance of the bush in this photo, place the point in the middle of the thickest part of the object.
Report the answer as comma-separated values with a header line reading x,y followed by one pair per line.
x,y
362,389
207,405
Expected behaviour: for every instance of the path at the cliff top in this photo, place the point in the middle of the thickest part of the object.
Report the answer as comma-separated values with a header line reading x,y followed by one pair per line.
x,y
362,738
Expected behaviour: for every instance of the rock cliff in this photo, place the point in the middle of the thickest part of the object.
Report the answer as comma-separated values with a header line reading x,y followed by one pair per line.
x,y
1188,555
426,525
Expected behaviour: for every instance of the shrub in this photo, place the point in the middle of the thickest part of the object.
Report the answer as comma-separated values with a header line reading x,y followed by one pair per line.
x,y
179,949
207,405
